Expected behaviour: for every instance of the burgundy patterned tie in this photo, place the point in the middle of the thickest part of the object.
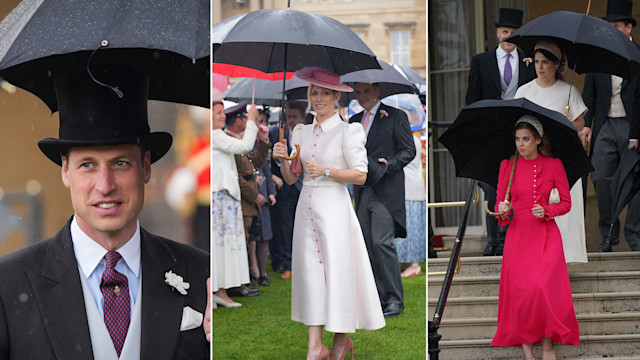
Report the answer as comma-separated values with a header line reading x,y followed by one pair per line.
x,y
117,309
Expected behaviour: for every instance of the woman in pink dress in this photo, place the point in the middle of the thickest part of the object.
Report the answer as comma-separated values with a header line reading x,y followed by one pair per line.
x,y
535,303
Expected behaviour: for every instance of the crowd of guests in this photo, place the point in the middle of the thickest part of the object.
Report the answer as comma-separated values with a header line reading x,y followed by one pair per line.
x,y
282,194
542,235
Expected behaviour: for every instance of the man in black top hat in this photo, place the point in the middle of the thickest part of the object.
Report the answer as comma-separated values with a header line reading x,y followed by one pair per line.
x,y
79,294
613,122
496,75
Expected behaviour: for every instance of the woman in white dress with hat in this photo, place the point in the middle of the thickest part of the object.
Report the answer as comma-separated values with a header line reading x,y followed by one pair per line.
x,y
332,281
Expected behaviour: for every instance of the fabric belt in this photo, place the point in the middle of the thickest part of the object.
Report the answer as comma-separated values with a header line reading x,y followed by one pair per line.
x,y
314,183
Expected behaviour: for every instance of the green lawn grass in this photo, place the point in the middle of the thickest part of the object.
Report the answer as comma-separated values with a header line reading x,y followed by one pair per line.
x,y
262,328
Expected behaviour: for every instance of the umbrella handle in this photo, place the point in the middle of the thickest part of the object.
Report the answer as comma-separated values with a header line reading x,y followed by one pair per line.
x,y
281,139
491,213
506,195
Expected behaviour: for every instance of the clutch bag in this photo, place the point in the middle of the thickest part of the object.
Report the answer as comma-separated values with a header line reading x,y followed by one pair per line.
x,y
554,197
296,166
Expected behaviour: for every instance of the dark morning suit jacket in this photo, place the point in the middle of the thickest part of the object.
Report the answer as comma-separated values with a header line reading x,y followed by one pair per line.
x,y
390,138
42,310
484,76
597,96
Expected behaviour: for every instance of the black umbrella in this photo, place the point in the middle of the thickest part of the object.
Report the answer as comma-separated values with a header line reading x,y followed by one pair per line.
x,y
590,44
261,39
625,183
414,77
391,81
168,39
275,41
482,136
265,92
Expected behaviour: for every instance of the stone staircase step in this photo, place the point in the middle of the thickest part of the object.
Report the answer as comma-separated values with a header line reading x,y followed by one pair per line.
x,y
490,265
581,282
585,303
591,346
590,324
473,245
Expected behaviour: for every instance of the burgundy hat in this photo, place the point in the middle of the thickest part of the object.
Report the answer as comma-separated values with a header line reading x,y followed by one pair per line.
x,y
321,77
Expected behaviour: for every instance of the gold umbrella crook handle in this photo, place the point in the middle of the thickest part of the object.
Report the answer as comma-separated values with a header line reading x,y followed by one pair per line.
x,y
281,136
506,195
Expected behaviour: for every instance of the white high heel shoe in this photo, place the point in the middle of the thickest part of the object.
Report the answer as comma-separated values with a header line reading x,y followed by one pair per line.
x,y
218,300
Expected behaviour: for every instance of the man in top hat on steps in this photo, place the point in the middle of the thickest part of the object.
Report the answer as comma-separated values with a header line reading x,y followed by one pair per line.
x,y
613,122
103,287
496,75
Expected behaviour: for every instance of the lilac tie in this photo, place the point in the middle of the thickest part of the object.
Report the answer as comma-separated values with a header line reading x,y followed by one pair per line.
x,y
117,307
507,70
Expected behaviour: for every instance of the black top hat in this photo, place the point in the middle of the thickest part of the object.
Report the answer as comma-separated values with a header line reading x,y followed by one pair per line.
x,y
93,115
620,10
236,110
510,18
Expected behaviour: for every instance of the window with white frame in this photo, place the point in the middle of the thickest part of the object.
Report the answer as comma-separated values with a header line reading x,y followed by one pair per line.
x,y
400,49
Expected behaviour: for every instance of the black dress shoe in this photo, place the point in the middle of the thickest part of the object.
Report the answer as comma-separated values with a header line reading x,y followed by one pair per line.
x,y
392,310
489,250
253,276
605,246
242,292
262,280
252,284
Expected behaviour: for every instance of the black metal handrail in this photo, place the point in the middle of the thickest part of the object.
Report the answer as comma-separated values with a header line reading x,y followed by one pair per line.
x,y
434,325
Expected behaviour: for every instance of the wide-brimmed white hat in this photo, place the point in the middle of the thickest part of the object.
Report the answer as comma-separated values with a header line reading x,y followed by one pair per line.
x,y
322,77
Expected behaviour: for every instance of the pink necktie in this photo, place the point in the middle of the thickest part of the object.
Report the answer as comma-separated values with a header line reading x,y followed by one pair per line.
x,y
117,307
366,121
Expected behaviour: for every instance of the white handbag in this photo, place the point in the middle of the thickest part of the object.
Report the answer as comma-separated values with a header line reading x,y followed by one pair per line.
x,y
554,197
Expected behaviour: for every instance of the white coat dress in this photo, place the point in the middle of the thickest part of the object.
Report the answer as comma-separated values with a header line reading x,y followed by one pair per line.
x,y
332,280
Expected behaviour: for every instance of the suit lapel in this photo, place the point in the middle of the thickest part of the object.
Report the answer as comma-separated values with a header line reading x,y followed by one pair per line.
x,y
58,291
161,306
606,80
495,76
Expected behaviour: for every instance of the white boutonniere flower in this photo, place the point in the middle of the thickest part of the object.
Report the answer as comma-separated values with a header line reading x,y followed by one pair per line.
x,y
176,282
527,60
383,113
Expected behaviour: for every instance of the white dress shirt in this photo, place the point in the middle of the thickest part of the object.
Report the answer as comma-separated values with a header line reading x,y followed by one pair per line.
x,y
374,111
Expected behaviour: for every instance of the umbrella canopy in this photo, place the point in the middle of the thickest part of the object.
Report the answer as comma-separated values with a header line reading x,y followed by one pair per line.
x,y
168,39
283,41
625,182
482,136
414,77
261,38
391,81
266,92
590,44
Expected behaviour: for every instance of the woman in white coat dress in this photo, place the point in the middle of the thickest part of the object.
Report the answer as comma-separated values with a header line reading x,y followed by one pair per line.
x,y
332,280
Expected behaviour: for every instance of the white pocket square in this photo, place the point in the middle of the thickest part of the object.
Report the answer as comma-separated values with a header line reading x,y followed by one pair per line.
x,y
191,319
